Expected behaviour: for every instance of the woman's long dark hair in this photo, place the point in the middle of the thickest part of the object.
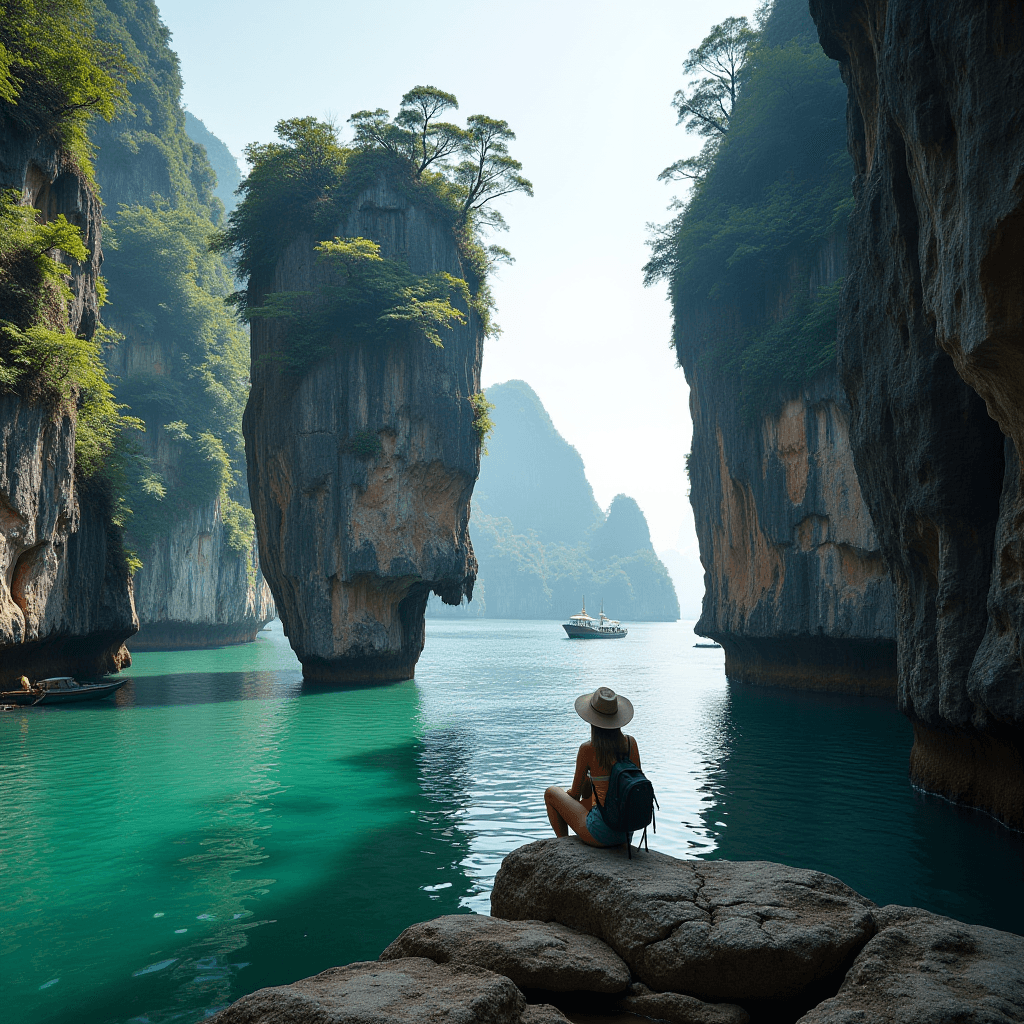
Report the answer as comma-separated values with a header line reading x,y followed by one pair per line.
x,y
608,744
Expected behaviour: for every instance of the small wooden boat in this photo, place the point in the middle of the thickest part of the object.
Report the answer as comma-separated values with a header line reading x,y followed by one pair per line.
x,y
716,646
60,690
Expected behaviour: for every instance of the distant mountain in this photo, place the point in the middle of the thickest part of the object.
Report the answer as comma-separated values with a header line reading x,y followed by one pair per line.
x,y
531,475
540,536
221,160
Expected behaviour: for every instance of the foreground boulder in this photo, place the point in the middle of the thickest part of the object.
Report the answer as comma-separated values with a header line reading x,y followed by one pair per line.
x,y
400,991
532,954
716,930
923,967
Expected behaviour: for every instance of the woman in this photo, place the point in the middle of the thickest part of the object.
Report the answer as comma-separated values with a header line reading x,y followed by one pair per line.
x,y
574,808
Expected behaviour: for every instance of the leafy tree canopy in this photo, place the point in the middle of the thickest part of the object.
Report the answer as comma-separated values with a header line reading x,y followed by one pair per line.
x,y
55,74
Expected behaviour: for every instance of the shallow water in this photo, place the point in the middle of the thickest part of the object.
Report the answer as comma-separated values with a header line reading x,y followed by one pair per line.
x,y
217,826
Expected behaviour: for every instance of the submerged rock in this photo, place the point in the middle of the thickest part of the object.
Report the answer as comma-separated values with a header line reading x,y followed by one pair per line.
x,y
923,967
716,930
532,954
410,990
931,359
361,472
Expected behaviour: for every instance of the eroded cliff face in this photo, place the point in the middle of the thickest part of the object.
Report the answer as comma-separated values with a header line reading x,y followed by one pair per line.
x,y
795,587
65,593
352,544
932,358
194,589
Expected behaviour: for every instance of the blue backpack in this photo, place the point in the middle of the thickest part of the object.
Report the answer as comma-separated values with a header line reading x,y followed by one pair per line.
x,y
630,801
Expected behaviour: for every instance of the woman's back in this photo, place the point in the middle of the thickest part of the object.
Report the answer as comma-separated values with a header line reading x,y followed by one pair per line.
x,y
600,773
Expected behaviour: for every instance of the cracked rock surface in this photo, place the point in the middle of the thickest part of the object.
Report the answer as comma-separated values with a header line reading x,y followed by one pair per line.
x,y
531,953
715,930
921,968
396,992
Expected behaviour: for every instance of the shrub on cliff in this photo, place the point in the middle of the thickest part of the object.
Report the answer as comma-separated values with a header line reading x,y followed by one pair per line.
x,y
772,193
40,358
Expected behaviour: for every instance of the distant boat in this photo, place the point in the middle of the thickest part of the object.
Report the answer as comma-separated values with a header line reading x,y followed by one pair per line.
x,y
60,690
583,627
716,646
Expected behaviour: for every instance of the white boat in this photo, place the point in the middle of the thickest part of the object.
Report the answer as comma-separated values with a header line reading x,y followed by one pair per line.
x,y
582,626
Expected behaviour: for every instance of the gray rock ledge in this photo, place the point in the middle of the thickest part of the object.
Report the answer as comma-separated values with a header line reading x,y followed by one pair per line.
x,y
530,953
922,968
717,930
397,992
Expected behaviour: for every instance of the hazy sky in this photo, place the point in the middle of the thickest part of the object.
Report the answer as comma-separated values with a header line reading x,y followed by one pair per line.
x,y
587,89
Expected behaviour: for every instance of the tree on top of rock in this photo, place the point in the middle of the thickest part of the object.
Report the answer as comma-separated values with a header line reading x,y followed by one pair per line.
x,y
706,104
486,171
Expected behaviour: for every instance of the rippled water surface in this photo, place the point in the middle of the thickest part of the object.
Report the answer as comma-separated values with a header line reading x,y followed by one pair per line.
x,y
217,826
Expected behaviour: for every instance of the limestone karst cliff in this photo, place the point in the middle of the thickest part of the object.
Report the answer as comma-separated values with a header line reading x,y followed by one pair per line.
x,y
65,591
795,587
796,590
932,360
361,465
182,363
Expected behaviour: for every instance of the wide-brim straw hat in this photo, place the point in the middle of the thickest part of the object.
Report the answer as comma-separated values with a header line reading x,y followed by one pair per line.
x,y
604,708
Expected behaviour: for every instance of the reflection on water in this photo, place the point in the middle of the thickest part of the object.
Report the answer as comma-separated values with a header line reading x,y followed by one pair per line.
x,y
220,827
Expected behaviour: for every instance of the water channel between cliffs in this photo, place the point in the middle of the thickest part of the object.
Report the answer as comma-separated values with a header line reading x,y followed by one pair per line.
x,y
218,827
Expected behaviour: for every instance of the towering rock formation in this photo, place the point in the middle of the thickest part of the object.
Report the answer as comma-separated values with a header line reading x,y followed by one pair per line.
x,y
65,591
795,587
796,590
199,584
932,360
361,472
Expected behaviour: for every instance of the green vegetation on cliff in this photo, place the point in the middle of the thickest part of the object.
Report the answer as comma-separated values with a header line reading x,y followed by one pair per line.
x,y
307,183
183,367
56,77
769,194
41,359
540,538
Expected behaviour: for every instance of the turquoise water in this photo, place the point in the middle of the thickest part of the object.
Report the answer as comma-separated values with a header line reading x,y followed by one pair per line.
x,y
217,826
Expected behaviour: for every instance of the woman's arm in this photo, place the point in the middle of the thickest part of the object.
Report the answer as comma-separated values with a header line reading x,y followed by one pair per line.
x,y
576,789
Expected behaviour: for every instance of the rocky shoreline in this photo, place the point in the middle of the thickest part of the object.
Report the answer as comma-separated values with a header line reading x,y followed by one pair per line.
x,y
579,933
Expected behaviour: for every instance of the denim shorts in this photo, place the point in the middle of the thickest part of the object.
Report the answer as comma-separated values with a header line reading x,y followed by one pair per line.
x,y
602,834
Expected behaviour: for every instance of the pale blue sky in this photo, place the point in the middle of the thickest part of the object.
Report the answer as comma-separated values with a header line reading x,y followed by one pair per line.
x,y
587,89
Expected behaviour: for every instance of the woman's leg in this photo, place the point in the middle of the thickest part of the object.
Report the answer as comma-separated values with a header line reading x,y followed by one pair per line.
x,y
565,813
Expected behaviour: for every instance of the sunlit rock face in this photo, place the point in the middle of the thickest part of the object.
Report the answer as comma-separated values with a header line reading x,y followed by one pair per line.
x,y
193,590
932,358
65,593
795,587
352,544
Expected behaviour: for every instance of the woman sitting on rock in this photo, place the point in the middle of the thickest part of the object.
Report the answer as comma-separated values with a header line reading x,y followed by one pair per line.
x,y
574,808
